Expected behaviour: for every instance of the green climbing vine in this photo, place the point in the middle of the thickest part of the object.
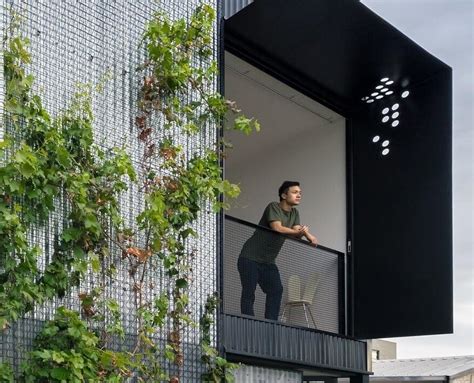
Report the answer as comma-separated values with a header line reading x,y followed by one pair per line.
x,y
66,350
179,93
218,368
46,160
6,373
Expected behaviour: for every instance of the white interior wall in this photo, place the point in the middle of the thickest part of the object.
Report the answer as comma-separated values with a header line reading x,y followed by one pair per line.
x,y
300,140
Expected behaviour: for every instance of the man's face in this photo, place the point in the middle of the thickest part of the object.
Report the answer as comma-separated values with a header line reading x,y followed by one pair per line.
x,y
293,196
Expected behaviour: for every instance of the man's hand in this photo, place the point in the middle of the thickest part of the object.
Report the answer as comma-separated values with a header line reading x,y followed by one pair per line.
x,y
313,241
303,230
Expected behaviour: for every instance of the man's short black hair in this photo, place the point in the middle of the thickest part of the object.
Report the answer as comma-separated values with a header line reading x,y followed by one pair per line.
x,y
285,186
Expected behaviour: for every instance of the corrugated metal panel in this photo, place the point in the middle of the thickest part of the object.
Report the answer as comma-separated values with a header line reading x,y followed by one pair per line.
x,y
255,374
276,341
231,7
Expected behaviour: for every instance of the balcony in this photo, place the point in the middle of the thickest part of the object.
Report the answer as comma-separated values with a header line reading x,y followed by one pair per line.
x,y
310,335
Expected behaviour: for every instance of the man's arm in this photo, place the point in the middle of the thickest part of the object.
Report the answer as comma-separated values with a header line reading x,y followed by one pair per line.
x,y
304,232
277,226
301,230
297,231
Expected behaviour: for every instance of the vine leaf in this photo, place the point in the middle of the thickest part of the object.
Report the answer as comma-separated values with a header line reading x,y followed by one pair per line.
x,y
141,254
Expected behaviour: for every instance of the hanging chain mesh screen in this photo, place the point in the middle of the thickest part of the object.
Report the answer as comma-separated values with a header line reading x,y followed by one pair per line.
x,y
84,42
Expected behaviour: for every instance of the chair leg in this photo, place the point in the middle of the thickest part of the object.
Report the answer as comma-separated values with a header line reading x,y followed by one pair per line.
x,y
312,318
305,315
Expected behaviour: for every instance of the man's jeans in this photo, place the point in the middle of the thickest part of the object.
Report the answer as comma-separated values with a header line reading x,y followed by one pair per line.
x,y
268,278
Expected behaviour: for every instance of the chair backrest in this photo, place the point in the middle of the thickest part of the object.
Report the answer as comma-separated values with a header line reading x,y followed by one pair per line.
x,y
294,288
310,287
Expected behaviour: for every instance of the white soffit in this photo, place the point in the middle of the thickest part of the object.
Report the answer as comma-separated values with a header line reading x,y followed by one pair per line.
x,y
247,70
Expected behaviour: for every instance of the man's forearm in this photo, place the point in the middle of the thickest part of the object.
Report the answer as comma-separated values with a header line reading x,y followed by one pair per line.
x,y
288,231
311,238
296,231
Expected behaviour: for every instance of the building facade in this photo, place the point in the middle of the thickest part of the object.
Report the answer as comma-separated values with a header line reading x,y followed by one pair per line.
x,y
340,91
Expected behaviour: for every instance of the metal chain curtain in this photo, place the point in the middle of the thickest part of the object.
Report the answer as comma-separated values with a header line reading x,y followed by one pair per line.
x,y
81,42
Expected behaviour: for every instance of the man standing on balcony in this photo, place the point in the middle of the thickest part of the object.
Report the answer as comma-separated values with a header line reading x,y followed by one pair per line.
x,y
256,263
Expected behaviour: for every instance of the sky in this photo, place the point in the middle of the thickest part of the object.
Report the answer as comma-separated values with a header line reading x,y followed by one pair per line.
x,y
445,29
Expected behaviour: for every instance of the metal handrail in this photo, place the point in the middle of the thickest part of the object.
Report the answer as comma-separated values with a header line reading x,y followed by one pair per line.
x,y
255,226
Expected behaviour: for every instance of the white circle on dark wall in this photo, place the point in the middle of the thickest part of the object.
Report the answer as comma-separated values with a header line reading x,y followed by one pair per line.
x,y
385,143
395,123
369,101
389,92
385,151
374,94
376,139
385,79
385,119
405,94
389,82
379,87
395,106
395,115
383,90
379,97
385,110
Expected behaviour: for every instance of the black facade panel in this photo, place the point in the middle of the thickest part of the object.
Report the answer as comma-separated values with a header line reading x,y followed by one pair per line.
x,y
400,204
331,50
402,214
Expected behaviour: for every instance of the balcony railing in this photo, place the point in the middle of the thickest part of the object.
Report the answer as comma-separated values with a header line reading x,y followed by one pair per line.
x,y
299,264
293,337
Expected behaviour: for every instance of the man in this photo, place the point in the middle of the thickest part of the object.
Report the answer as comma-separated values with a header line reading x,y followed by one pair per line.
x,y
256,262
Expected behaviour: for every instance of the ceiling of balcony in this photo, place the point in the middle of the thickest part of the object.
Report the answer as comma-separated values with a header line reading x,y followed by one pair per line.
x,y
284,114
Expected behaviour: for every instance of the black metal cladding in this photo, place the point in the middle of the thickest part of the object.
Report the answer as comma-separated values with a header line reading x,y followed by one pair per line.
x,y
333,50
400,216
403,266
301,346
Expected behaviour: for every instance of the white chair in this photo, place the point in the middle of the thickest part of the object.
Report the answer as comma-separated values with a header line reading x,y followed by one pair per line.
x,y
305,300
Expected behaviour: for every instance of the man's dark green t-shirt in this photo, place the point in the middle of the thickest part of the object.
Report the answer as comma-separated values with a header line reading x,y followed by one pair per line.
x,y
263,246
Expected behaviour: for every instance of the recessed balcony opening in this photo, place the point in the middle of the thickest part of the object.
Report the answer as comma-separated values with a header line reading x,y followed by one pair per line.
x,y
300,140
344,56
